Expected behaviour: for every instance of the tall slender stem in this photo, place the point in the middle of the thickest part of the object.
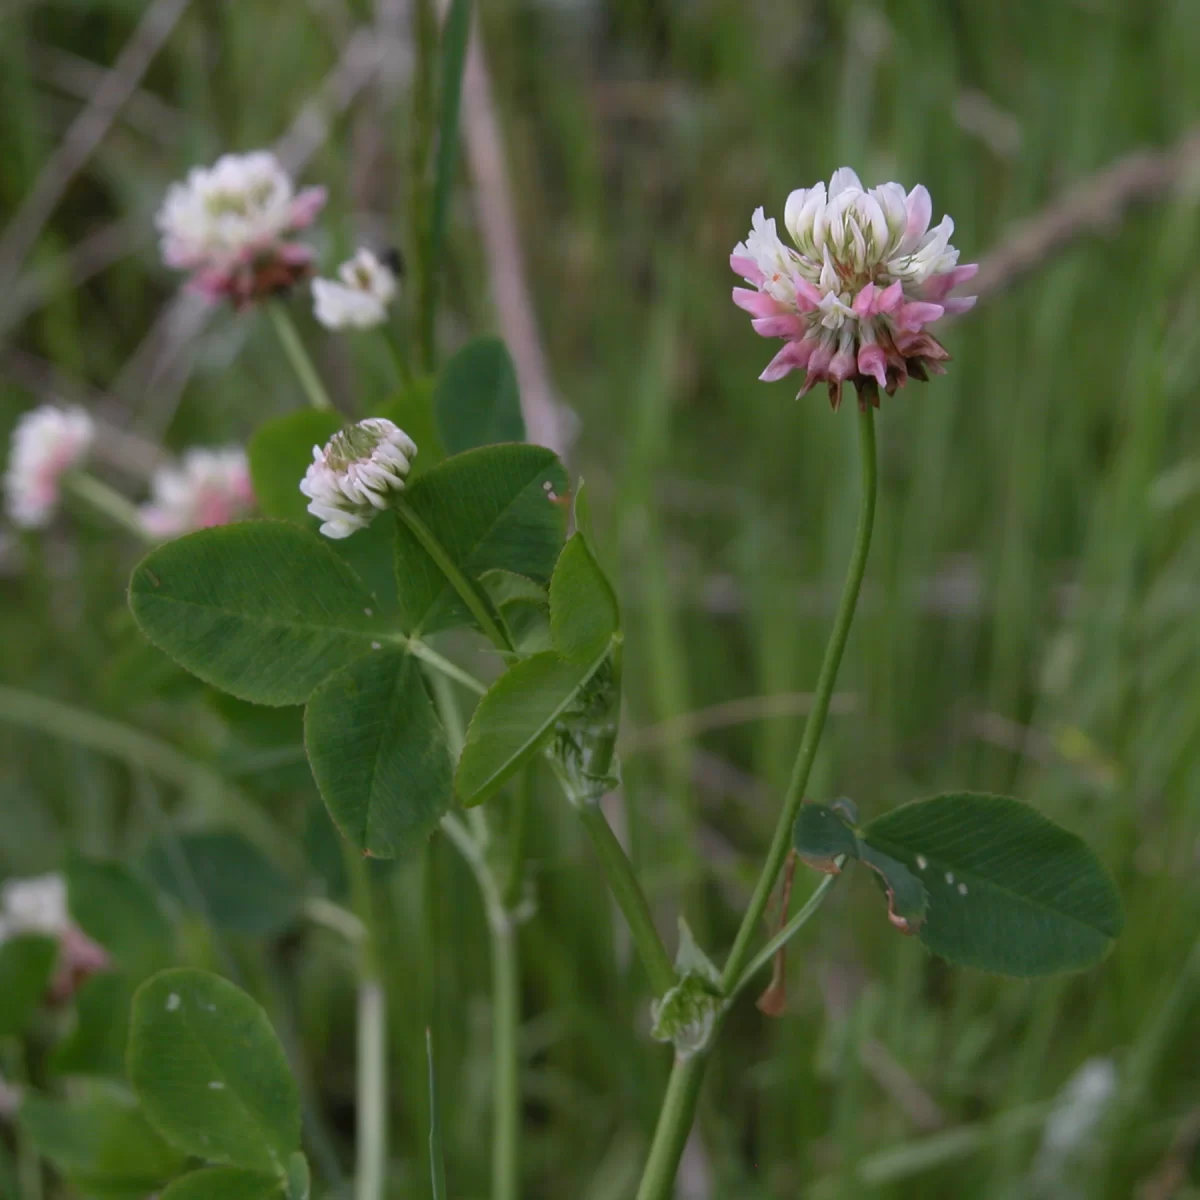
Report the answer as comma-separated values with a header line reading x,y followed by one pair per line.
x,y
108,501
785,935
371,1078
518,827
815,724
674,1125
683,1089
630,898
506,1083
506,1016
293,347
399,359
466,590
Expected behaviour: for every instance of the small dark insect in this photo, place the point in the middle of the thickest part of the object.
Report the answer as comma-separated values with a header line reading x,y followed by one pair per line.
x,y
394,261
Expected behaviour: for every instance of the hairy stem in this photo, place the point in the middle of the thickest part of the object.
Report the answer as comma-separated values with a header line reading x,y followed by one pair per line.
x,y
293,347
683,1089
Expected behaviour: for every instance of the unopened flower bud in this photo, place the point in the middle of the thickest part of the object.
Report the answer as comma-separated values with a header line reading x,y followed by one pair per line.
x,y
357,474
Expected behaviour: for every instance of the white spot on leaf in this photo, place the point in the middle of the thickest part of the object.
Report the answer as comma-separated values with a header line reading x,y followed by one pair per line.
x,y
950,877
922,862
369,612
376,645
962,889
173,1002
216,1085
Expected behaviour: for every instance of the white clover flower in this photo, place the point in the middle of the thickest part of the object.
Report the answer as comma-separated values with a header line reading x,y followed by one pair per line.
x,y
209,487
852,300
46,443
360,301
229,224
355,475
38,905
34,905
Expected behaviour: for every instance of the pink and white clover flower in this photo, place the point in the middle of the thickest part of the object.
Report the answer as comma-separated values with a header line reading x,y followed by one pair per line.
x,y
229,224
38,905
209,487
853,298
46,443
356,475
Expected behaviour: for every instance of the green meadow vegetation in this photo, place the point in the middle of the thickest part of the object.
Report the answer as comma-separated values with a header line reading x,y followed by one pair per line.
x,y
1028,623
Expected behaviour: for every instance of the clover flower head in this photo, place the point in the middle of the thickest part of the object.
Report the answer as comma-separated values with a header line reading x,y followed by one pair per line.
x,y
209,487
355,475
361,299
46,443
229,224
38,905
852,297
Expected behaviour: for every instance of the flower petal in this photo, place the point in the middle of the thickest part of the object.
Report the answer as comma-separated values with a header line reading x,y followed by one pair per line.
x,y
787,325
873,361
758,304
791,358
307,205
747,268
844,178
920,213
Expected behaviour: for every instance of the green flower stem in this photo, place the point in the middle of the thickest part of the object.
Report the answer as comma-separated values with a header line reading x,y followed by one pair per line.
x,y
108,501
815,724
293,347
679,1103
767,953
517,829
614,862
371,1074
506,1015
630,898
506,1076
468,593
674,1125
399,358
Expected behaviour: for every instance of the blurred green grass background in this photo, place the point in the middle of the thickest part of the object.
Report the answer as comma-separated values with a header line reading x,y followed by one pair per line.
x,y
1029,622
